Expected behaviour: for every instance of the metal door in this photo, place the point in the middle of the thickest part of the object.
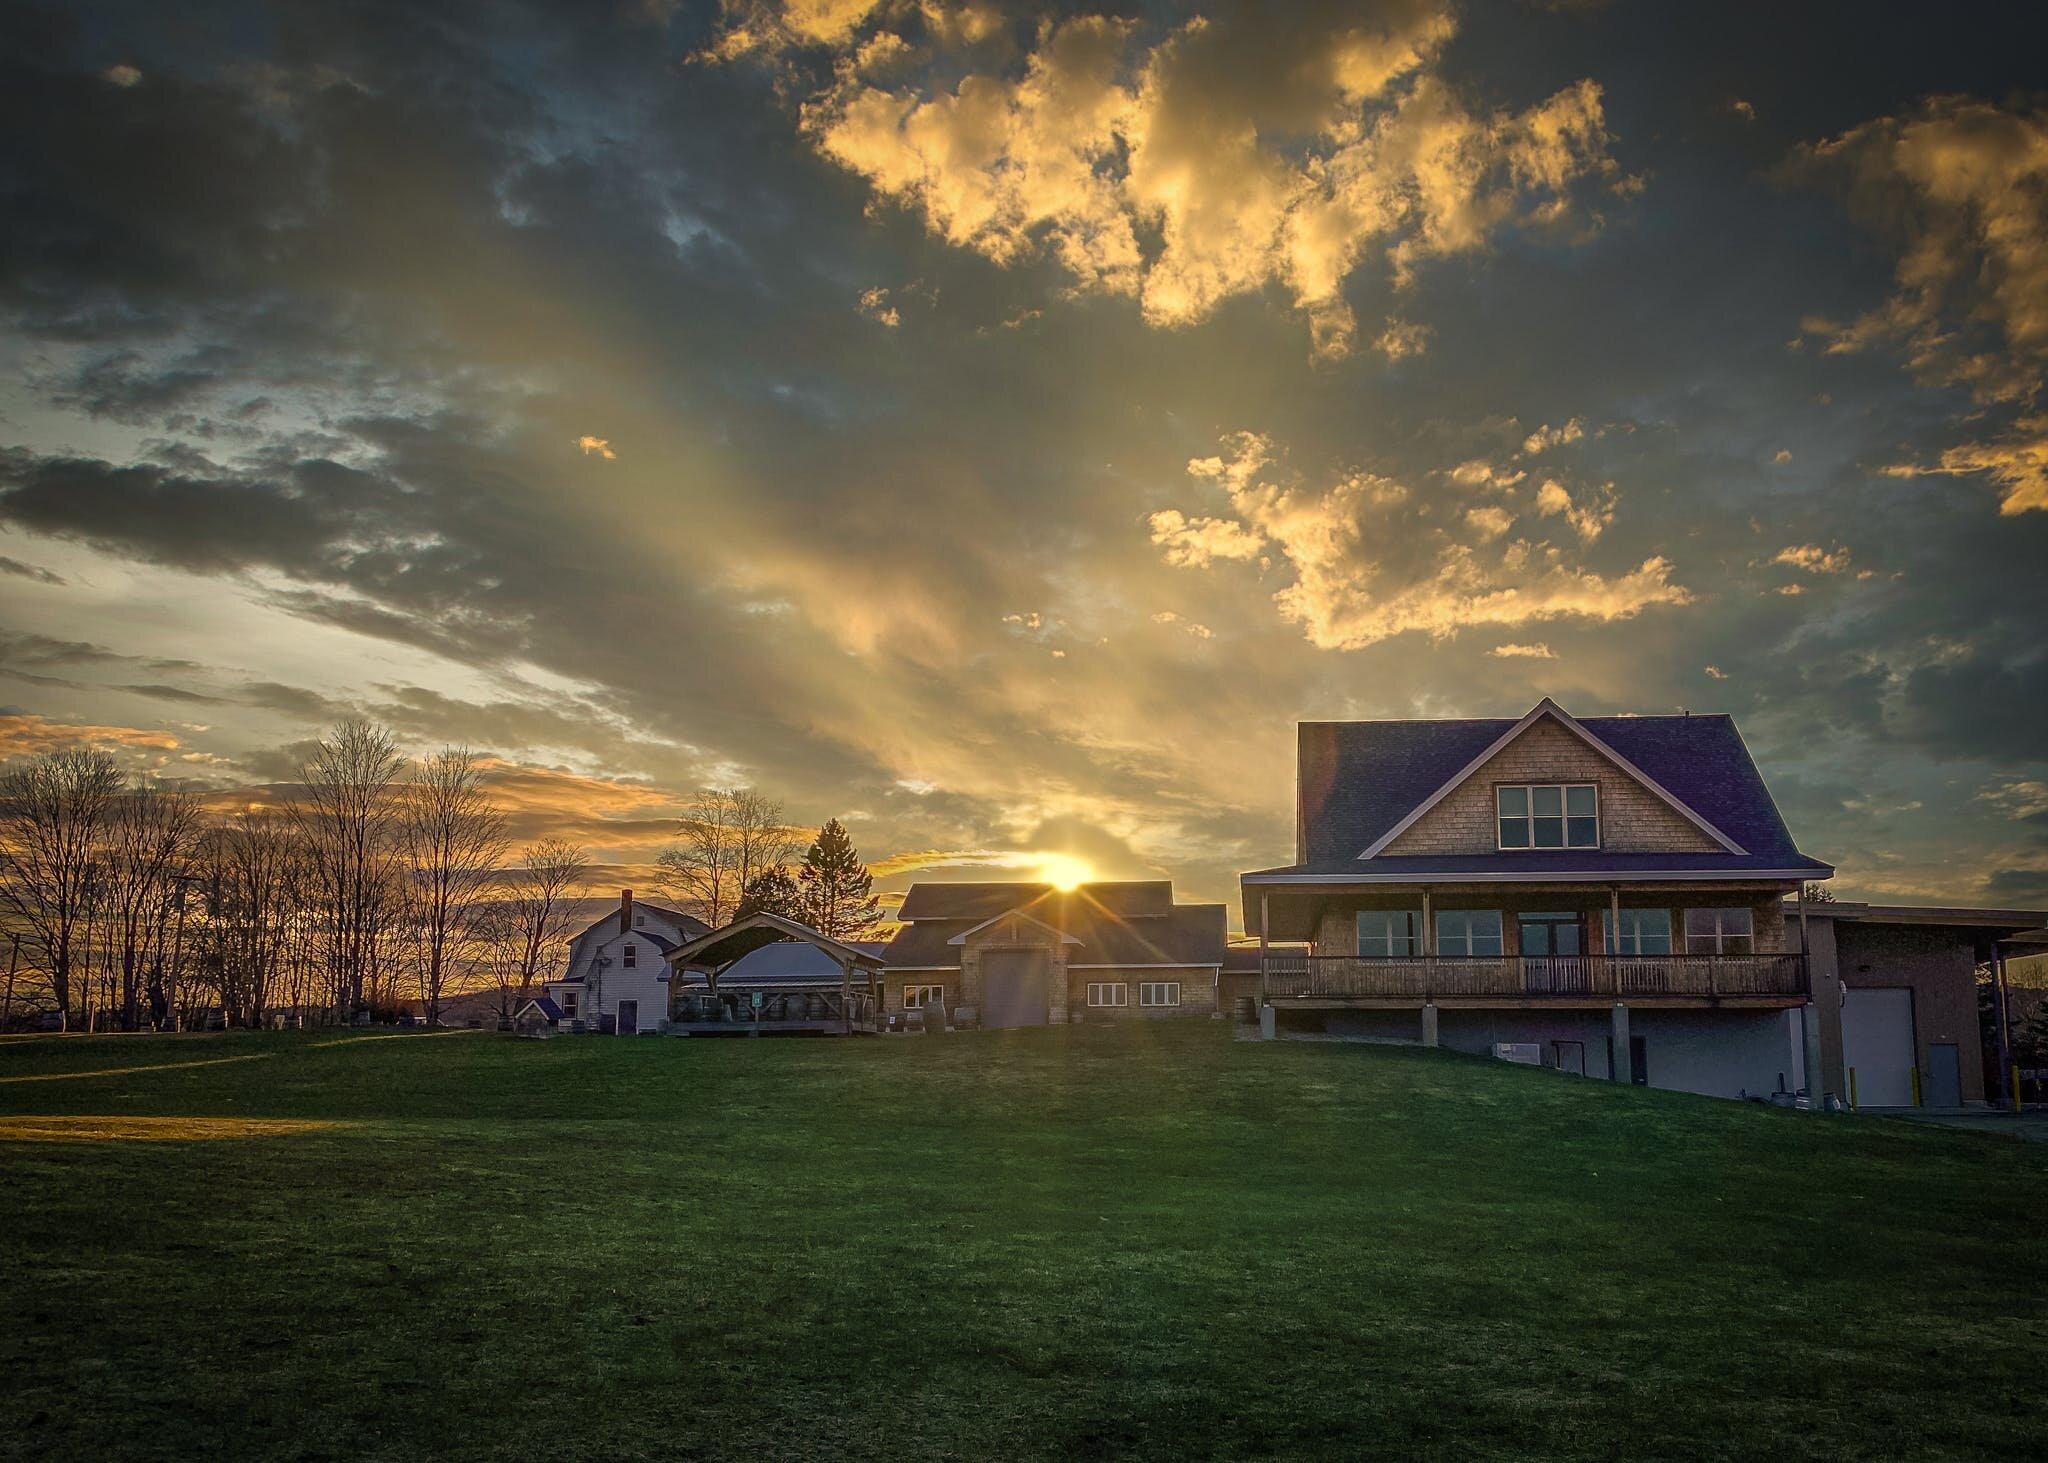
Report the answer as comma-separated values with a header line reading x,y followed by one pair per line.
x,y
1944,1075
1016,987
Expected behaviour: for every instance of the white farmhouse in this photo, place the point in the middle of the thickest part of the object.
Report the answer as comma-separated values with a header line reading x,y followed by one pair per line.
x,y
617,980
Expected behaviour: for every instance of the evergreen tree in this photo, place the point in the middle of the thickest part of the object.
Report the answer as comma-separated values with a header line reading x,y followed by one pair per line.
x,y
772,891
838,891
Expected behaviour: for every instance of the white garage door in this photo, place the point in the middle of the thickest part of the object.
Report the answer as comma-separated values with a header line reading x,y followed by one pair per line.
x,y
1877,1040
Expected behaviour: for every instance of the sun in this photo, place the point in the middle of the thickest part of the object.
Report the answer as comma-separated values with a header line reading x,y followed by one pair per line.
x,y
1064,871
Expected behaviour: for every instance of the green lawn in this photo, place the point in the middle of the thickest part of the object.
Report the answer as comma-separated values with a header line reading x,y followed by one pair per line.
x,y
1047,1243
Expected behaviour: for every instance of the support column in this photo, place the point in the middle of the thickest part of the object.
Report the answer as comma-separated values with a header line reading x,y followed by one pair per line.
x,y
1816,1084
2004,1022
1429,1023
1265,897
1623,1068
846,997
1428,921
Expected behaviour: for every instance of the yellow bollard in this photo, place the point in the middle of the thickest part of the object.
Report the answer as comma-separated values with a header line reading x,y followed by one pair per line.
x,y
1916,1086
1852,1089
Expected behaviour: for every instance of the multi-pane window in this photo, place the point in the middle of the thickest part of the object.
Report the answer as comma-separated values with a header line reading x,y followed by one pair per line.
x,y
568,1003
1389,932
1109,993
1643,932
915,996
1159,993
1549,815
631,957
1720,931
1468,932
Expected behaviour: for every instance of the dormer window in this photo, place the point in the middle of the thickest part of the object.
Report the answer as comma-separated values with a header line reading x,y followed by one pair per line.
x,y
1549,815
631,957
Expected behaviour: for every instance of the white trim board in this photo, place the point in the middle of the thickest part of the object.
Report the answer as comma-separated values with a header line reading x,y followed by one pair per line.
x,y
1549,708
1534,876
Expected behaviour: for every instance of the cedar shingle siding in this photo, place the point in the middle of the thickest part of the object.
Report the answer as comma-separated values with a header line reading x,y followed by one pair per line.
x,y
1632,818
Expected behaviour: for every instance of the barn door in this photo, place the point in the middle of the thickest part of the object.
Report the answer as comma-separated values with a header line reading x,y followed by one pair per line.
x,y
1016,987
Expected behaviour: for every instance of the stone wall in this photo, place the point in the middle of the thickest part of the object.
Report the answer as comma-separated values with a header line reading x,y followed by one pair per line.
x,y
1197,992
1632,818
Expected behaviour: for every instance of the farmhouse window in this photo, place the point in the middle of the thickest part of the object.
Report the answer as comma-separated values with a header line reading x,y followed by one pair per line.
x,y
1109,993
1159,993
1720,931
1468,932
1390,932
632,956
1643,932
1549,815
914,996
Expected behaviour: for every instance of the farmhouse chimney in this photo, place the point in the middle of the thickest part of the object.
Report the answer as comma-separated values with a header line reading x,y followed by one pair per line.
x,y
625,911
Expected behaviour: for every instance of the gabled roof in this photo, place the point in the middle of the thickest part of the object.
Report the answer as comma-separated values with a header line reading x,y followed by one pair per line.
x,y
1127,898
1094,931
1064,937
543,1004
786,962
1549,710
1360,781
722,947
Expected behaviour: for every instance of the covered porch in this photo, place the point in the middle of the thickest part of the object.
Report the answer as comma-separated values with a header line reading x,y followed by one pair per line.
x,y
845,1002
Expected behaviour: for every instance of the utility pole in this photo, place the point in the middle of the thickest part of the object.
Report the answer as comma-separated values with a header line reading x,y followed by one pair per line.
x,y
13,964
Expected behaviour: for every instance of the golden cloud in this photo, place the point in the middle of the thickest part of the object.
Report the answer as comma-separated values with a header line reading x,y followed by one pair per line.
x,y
1963,186
1248,175
26,735
1338,596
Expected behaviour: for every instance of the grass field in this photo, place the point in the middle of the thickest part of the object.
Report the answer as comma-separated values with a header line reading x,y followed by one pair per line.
x,y
1056,1242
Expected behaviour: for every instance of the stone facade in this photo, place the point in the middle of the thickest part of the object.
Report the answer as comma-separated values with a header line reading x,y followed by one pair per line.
x,y
1197,992
1632,818
1015,933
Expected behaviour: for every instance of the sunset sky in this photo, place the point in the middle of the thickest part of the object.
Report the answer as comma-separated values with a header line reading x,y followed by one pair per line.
x,y
998,427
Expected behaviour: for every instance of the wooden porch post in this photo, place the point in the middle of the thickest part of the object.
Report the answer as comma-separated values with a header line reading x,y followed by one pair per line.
x,y
1428,922
846,997
1265,898
2004,1023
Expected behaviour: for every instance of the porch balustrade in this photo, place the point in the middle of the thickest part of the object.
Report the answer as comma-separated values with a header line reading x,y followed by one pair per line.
x,y
1426,977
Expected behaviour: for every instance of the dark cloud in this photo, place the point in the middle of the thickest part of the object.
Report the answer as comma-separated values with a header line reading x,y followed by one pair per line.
x,y
325,300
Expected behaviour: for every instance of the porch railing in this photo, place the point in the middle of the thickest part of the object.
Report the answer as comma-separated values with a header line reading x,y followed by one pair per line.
x,y
805,1006
1535,976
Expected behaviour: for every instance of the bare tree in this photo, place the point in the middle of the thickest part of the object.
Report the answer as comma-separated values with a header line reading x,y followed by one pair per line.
x,y
726,839
151,836
526,929
453,839
53,824
255,882
346,812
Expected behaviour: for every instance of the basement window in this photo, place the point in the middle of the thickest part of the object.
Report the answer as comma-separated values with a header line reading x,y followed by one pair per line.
x,y
1159,993
1109,993
1548,815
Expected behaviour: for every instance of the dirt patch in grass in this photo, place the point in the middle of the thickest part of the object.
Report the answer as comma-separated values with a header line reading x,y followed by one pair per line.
x,y
113,1129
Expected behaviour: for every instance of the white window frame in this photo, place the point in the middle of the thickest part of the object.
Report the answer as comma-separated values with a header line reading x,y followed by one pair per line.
x,y
1527,818
1382,948
629,958
1150,992
1107,994
568,1004
1720,940
914,996
1466,938
1630,939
